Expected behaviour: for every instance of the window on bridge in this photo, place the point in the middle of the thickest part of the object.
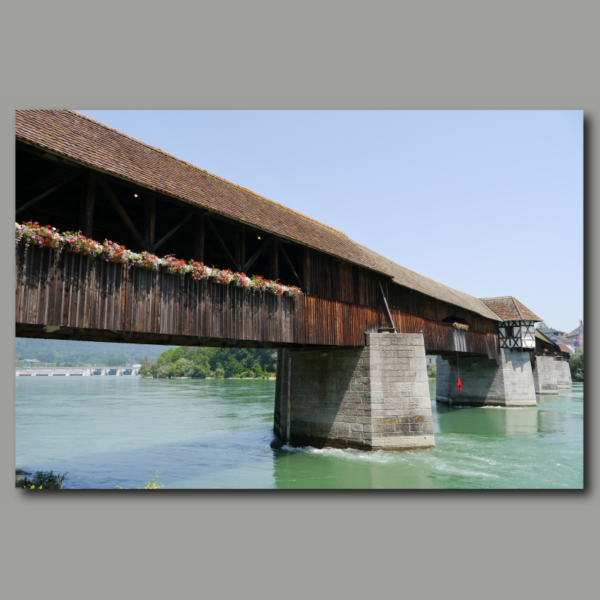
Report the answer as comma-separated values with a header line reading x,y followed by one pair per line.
x,y
452,319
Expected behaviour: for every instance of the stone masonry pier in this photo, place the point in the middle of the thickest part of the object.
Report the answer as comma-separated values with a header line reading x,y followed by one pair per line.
x,y
485,382
371,398
544,375
563,374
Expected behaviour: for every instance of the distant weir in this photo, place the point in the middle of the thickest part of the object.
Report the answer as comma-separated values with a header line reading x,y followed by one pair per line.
x,y
77,371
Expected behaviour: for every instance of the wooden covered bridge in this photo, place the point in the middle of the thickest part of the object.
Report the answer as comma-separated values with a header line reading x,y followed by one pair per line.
x,y
74,173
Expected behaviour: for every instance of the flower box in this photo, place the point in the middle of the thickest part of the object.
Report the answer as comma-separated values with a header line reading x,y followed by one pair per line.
x,y
109,251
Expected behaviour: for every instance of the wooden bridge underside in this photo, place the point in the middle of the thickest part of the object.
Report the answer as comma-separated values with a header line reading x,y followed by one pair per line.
x,y
67,296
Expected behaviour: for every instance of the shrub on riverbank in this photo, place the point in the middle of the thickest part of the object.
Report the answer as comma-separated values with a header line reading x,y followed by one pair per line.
x,y
576,364
41,480
199,363
152,484
432,372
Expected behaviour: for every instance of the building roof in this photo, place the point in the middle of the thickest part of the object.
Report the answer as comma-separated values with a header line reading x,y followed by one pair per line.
x,y
85,141
578,331
564,348
563,339
509,308
544,338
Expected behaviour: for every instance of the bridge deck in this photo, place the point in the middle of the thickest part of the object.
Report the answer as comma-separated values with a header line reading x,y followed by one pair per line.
x,y
68,296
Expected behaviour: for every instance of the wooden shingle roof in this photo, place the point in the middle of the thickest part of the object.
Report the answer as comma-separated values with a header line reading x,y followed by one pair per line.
x,y
509,308
85,141
543,337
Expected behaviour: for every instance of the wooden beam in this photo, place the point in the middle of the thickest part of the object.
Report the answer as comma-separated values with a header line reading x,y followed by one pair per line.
x,y
289,262
274,260
199,237
52,179
46,193
258,252
150,222
176,228
119,208
88,217
240,245
220,240
387,308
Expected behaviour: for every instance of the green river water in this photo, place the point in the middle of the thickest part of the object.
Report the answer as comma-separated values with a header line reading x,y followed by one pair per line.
x,y
109,431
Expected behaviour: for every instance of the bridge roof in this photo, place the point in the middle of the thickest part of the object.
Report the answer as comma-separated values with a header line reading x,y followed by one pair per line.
x,y
83,140
509,308
544,338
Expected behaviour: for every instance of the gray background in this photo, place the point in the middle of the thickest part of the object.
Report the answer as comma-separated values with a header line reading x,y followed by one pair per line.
x,y
298,55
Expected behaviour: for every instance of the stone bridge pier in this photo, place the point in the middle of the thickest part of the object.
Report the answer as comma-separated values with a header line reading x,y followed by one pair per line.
x,y
371,398
545,375
563,374
485,382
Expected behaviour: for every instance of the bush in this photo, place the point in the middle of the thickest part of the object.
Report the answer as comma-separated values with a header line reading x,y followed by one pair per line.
x,y
432,372
576,364
42,480
152,484
116,361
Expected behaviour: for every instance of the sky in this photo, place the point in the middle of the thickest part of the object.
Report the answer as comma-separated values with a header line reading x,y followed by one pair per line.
x,y
487,202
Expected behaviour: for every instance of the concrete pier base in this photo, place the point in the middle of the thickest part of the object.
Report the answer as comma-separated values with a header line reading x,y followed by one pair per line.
x,y
371,398
544,375
485,382
563,374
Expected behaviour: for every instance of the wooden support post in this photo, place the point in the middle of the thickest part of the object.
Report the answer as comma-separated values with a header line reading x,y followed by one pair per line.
x,y
274,260
122,213
175,229
150,222
258,252
240,245
387,308
199,238
222,243
289,262
306,269
88,216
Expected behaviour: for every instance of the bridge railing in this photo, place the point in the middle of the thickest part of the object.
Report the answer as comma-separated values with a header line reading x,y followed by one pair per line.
x,y
68,290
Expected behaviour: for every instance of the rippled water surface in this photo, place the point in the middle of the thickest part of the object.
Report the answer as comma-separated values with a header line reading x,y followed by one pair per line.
x,y
106,431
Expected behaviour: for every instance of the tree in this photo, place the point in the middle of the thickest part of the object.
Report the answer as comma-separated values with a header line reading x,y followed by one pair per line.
x,y
576,364
145,367
116,361
542,325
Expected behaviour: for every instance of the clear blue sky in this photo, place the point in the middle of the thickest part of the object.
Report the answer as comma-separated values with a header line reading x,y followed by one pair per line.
x,y
488,202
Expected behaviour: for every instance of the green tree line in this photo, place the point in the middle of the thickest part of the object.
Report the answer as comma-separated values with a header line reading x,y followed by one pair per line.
x,y
68,353
199,363
576,364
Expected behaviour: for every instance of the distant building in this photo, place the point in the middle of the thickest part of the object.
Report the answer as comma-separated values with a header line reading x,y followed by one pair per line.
x,y
550,332
31,361
431,360
576,336
559,338
564,348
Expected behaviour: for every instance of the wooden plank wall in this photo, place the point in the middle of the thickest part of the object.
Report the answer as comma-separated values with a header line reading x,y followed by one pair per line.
x,y
326,277
69,290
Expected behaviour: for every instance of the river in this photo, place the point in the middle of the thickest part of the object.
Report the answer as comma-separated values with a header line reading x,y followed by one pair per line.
x,y
109,431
